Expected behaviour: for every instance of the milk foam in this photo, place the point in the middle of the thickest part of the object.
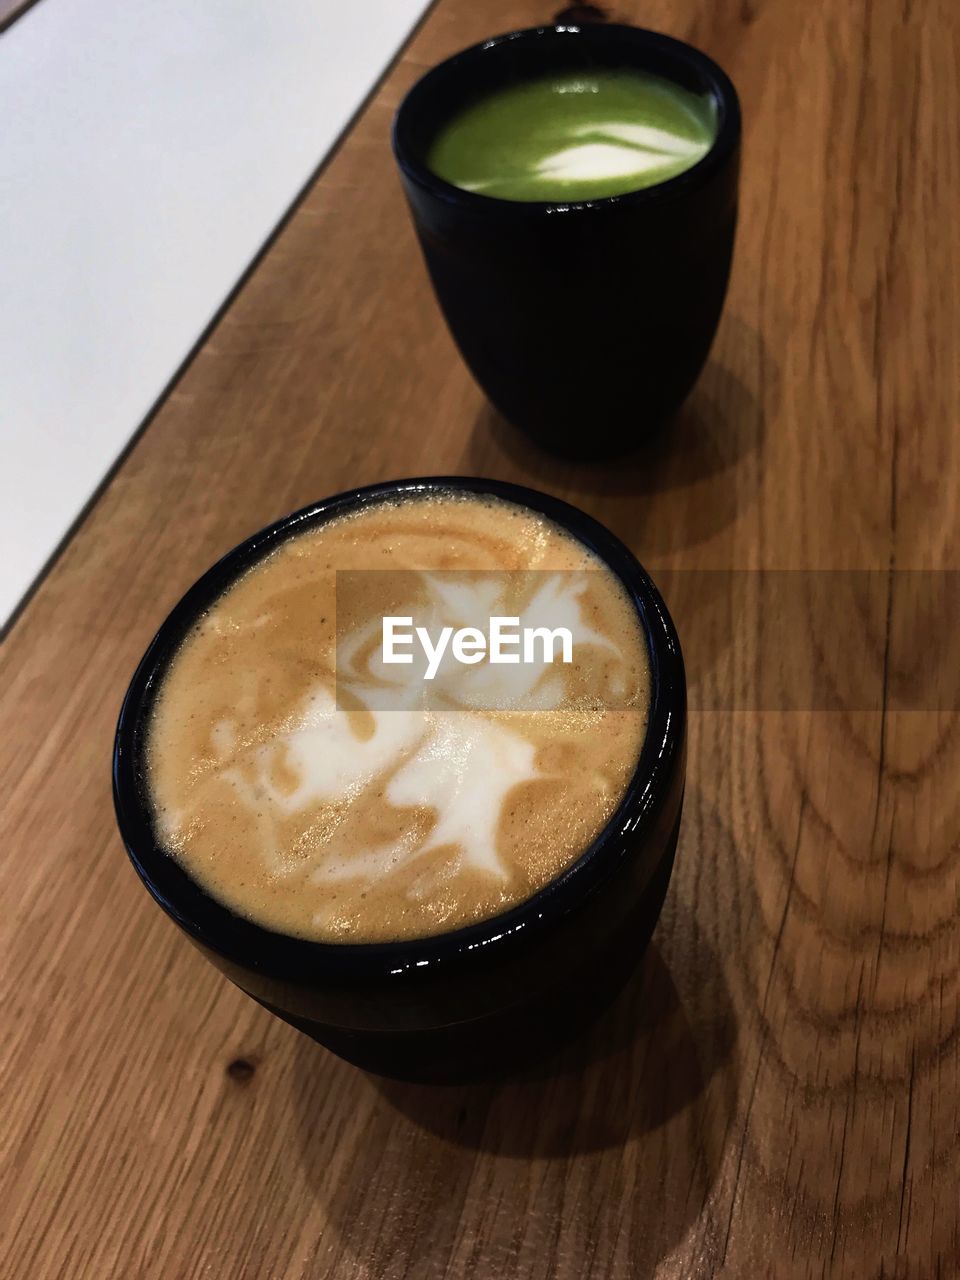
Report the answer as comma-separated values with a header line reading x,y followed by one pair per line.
x,y
574,136
615,149
312,787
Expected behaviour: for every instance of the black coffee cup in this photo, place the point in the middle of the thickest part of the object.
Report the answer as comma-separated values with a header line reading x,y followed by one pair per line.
x,y
480,999
586,323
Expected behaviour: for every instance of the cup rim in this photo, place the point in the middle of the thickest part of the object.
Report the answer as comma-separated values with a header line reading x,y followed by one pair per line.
x,y
655,43
249,945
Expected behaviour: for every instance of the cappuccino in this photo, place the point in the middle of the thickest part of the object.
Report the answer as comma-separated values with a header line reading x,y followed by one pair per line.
x,y
323,793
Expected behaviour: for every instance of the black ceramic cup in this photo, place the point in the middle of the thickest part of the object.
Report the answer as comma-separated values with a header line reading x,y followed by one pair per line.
x,y
586,323
478,1000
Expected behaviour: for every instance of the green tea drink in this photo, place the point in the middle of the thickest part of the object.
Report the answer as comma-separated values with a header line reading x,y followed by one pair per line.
x,y
575,136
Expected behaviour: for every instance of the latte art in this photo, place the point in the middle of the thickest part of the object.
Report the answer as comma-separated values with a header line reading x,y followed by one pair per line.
x,y
322,793
574,136
612,151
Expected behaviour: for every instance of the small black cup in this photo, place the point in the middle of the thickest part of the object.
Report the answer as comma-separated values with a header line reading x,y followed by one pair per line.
x,y
587,323
470,1002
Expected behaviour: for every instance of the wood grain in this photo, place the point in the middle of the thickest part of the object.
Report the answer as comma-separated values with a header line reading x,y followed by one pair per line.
x,y
779,1091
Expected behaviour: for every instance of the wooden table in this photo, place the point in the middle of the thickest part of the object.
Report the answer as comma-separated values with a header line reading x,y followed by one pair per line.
x,y
778,1092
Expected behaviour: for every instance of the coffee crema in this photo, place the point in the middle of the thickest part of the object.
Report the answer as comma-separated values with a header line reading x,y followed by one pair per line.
x,y
304,791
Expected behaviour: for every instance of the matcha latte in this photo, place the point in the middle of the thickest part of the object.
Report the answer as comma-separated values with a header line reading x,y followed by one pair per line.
x,y
574,135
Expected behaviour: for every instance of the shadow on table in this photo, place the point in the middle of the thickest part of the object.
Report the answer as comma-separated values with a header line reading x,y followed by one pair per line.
x,y
639,1065
626,1126
712,449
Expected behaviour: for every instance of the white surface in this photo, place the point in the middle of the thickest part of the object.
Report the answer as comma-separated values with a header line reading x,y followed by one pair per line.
x,y
148,149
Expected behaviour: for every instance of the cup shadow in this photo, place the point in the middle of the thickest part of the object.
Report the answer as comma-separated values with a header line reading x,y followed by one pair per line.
x,y
630,1121
695,475
594,1094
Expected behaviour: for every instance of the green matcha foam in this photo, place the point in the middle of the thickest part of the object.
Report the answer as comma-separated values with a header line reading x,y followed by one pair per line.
x,y
575,136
